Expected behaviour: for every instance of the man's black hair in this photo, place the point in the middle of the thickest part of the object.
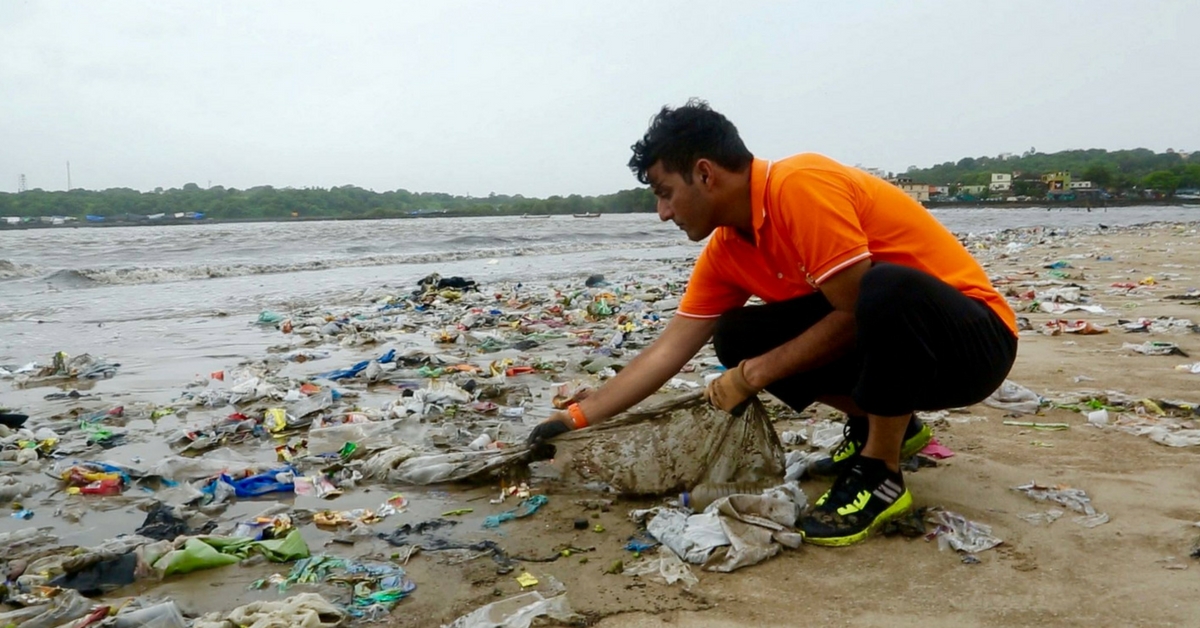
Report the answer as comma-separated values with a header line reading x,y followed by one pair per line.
x,y
680,137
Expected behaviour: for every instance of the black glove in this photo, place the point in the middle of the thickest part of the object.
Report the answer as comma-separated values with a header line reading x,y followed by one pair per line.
x,y
543,432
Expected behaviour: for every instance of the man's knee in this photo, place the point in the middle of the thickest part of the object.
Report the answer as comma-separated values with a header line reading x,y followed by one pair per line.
x,y
884,288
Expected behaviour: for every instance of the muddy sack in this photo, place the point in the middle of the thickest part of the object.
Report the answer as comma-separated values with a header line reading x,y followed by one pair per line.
x,y
673,446
670,446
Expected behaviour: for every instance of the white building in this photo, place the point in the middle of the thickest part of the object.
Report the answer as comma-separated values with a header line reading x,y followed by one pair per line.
x,y
1001,182
1081,185
875,172
916,191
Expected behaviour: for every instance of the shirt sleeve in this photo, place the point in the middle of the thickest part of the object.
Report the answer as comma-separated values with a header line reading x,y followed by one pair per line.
x,y
821,207
708,294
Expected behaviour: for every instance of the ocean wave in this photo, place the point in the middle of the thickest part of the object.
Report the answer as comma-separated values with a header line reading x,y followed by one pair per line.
x,y
13,270
94,277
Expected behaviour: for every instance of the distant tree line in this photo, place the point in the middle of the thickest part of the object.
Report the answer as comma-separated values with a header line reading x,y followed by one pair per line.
x,y
346,201
1118,171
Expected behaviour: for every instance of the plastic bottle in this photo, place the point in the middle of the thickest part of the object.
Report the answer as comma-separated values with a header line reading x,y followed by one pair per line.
x,y
704,494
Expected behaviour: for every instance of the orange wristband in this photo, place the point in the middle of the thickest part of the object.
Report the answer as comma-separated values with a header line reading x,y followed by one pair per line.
x,y
576,414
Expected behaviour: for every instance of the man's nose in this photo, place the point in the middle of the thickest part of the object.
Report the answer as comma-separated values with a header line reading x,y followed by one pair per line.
x,y
664,210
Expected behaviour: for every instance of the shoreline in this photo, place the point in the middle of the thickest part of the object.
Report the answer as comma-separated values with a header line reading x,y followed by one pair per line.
x,y
931,205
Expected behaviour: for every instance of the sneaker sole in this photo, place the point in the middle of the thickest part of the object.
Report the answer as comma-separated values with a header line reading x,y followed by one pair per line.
x,y
901,506
914,445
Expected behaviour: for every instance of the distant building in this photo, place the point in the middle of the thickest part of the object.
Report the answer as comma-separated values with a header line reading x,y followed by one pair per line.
x,y
1001,182
1057,183
939,190
973,190
1080,185
875,172
1006,156
916,191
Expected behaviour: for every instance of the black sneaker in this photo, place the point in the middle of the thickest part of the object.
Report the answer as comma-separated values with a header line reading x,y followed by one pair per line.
x,y
854,436
862,498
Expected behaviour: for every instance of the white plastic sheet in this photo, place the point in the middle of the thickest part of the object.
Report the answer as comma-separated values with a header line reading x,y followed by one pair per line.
x,y
516,612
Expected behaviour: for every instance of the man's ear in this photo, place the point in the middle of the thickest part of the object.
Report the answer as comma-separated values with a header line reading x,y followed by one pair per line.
x,y
704,170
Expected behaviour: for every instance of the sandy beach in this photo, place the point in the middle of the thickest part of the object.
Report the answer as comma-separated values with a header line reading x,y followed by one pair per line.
x,y
1133,570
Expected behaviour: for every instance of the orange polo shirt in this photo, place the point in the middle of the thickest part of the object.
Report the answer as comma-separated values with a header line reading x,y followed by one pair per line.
x,y
812,218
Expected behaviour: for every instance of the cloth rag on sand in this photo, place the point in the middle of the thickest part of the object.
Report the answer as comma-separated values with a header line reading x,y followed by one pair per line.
x,y
303,610
734,531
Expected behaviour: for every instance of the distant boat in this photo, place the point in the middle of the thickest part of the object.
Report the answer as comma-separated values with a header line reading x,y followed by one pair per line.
x,y
535,217
587,215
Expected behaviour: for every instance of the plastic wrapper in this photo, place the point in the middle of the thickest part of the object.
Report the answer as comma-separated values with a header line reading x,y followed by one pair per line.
x,y
1014,397
667,569
956,531
516,612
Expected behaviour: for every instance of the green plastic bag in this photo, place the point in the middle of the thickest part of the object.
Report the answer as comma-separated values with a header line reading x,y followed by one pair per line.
x,y
290,547
195,556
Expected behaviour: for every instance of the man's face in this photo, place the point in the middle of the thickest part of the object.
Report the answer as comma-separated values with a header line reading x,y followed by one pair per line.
x,y
685,204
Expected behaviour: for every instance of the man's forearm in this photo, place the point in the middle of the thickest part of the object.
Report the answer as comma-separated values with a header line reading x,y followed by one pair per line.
x,y
643,375
827,340
647,372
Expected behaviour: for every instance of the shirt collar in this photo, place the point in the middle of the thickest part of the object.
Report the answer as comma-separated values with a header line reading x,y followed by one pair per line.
x,y
760,171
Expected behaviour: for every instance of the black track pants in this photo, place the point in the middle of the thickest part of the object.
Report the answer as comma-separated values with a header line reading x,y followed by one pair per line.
x,y
922,345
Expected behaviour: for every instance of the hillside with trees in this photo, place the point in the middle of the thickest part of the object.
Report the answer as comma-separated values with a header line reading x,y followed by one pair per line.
x,y
1119,171
267,202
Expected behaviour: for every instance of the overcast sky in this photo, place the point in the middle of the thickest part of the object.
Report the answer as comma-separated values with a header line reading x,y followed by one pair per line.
x,y
541,98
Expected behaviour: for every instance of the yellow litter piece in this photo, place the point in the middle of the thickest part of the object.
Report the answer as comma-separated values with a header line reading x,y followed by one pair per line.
x,y
527,580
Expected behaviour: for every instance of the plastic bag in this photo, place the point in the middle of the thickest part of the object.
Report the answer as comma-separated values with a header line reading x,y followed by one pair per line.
x,y
216,462
1014,397
165,615
65,606
667,568
194,556
516,612
1177,438
376,434
437,468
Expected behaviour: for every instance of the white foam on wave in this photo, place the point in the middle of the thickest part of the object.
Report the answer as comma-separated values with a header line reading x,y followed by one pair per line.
x,y
14,270
89,277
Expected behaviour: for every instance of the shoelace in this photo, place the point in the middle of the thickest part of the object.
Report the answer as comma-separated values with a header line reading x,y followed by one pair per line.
x,y
840,492
847,437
